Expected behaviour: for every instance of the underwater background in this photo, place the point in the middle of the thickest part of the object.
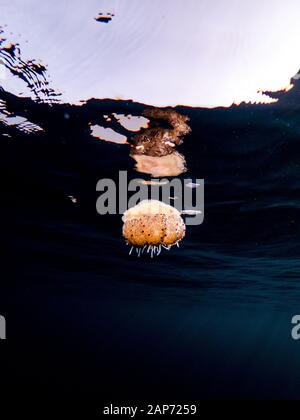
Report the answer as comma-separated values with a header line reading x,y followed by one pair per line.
x,y
209,320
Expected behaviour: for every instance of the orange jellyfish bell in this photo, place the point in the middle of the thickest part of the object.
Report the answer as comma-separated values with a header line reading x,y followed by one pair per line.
x,y
151,225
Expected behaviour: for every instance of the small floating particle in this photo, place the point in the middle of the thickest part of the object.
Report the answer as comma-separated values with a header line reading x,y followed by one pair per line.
x,y
192,185
191,212
169,143
73,199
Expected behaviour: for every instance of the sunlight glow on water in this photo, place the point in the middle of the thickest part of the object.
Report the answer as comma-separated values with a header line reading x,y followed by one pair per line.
x,y
107,134
200,53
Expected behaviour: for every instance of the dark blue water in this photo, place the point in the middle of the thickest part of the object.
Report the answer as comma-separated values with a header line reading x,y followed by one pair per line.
x,y
211,320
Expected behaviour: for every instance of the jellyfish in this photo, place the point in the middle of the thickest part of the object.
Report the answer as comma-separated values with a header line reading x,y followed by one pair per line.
x,y
160,141
152,225
170,165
